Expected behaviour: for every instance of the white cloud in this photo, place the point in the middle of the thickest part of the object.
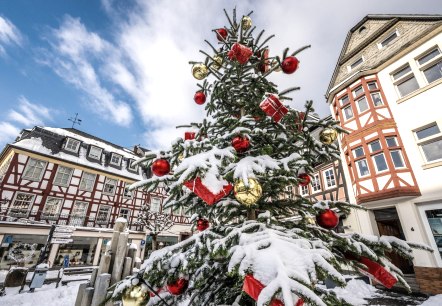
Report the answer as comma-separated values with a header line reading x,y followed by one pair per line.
x,y
8,134
9,34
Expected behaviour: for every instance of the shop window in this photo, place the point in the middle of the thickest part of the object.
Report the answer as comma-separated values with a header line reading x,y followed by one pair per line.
x,y
130,166
380,162
372,86
429,140
80,252
398,161
52,208
109,186
330,180
124,213
348,112
78,214
155,204
362,104
388,40
435,221
95,152
127,193
72,145
405,81
431,65
358,91
304,190
103,214
377,100
362,167
87,181
316,183
115,159
344,100
63,176
21,205
375,146
34,169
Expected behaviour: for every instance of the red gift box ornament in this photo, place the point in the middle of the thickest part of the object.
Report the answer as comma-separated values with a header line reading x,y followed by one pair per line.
x,y
240,53
273,107
253,288
378,272
189,135
204,193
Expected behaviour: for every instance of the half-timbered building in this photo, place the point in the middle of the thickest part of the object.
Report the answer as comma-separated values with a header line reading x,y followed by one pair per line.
x,y
68,177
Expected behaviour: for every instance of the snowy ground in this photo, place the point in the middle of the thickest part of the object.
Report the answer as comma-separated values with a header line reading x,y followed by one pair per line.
x,y
357,293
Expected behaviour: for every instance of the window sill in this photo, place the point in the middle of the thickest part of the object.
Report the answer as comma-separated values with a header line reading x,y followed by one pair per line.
x,y
419,91
432,165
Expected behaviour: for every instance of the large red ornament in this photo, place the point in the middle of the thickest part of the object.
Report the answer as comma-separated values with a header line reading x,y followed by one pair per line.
x,y
328,219
240,53
273,107
240,144
204,193
304,179
200,97
202,224
221,34
178,287
253,288
378,272
290,64
160,167
189,135
264,65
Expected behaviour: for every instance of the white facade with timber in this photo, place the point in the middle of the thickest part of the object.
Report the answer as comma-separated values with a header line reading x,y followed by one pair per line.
x,y
386,91
54,176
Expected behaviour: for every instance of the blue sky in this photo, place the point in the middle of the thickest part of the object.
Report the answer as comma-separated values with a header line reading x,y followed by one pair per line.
x,y
123,65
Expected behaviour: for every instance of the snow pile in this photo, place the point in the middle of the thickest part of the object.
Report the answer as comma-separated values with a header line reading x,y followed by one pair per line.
x,y
355,292
435,300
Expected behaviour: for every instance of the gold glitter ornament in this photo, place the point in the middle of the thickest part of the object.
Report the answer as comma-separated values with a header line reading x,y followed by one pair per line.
x,y
246,23
135,296
310,220
247,195
328,136
217,62
199,71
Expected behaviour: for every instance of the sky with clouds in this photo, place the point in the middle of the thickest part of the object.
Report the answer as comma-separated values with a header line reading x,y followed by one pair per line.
x,y
123,64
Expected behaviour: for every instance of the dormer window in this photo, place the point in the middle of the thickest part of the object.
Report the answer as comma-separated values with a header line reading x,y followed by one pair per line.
x,y
95,153
72,145
115,159
388,39
129,165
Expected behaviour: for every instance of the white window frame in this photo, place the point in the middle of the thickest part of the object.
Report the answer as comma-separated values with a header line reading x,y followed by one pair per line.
x,y
372,142
358,169
429,63
128,213
110,182
32,162
428,139
112,159
341,100
375,84
380,44
95,155
354,91
106,219
402,79
22,212
423,215
366,102
316,183
303,190
395,141
380,97
354,151
157,203
127,194
345,114
68,146
75,217
129,165
332,171
59,176
87,188
56,211
400,155
376,165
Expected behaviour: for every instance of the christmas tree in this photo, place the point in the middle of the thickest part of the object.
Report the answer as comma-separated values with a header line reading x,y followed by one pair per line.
x,y
254,244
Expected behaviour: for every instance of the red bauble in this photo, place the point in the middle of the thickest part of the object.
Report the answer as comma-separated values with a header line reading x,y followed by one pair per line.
x,y
202,224
290,64
304,179
160,167
240,144
178,287
328,219
199,97
221,34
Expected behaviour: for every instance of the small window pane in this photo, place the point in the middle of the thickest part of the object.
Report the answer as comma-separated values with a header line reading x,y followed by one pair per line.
x,y
408,86
358,152
110,186
433,150
429,56
316,184
377,100
391,142
95,153
304,190
63,176
375,146
362,167
87,181
380,162
358,91
348,112
115,159
397,159
362,104
72,145
127,193
330,178
389,39
103,214
155,204
356,63
372,86
124,213
401,72
427,132
344,100
434,72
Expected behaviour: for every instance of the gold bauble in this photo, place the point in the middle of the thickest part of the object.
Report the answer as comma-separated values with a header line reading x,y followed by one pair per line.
x,y
135,296
276,65
217,62
246,23
181,157
328,135
247,195
200,71
310,220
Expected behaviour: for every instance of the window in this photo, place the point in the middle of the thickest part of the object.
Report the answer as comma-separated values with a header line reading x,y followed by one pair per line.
x,y
356,63
329,178
396,156
358,152
34,169
348,112
155,204
375,146
358,91
72,145
63,176
344,100
304,190
52,207
372,86
379,162
377,100
431,65
316,184
362,104
124,213
362,167
21,204
87,181
391,141
405,81
115,159
95,152
127,193
388,40
109,186
78,214
434,218
103,214
129,165
430,142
